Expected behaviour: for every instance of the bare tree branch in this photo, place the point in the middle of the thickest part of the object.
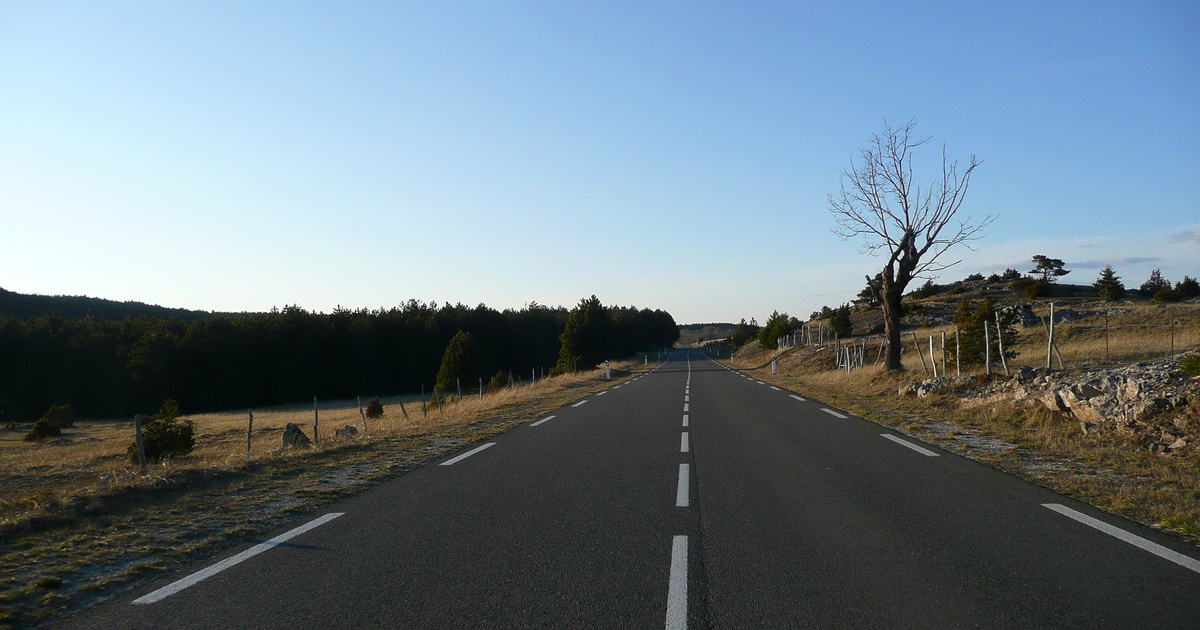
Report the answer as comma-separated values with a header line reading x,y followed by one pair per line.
x,y
879,201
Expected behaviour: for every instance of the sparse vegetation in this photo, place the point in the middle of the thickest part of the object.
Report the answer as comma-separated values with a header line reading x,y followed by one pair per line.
x,y
374,409
164,436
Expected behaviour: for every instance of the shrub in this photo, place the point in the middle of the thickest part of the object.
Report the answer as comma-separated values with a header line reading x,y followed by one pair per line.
x,y
1031,288
1011,274
975,277
1188,287
1190,365
61,415
163,435
374,409
994,278
1167,296
970,320
43,429
498,382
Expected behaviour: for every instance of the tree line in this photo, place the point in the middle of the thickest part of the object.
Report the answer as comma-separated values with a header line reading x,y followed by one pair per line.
x,y
116,368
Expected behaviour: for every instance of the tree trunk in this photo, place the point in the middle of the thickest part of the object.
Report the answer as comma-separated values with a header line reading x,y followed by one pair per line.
x,y
891,326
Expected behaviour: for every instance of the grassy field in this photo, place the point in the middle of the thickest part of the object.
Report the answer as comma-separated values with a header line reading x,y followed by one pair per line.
x,y
78,522
1111,471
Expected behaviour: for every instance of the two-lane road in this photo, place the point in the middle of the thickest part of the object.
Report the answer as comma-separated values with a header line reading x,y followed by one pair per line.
x,y
696,497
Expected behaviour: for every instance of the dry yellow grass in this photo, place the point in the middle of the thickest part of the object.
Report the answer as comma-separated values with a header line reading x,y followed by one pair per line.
x,y
90,460
77,516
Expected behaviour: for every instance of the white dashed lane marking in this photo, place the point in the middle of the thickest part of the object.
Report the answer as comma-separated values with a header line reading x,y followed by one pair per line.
x,y
924,451
834,413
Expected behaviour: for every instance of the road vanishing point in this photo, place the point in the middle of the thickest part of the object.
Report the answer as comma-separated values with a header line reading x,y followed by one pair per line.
x,y
690,497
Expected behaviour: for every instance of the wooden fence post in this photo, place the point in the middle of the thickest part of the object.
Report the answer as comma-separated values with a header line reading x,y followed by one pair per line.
x,y
1000,341
932,357
137,438
987,348
1050,341
945,359
480,388
316,419
920,355
402,409
249,430
458,384
957,353
424,407
361,414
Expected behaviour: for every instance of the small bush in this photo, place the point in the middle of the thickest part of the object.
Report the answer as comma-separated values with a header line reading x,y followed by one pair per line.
x,y
43,430
1011,274
61,415
374,409
163,435
498,382
1167,297
993,278
49,583
975,277
1190,365
1031,288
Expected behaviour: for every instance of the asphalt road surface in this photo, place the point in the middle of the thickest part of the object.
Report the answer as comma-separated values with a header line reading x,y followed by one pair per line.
x,y
694,497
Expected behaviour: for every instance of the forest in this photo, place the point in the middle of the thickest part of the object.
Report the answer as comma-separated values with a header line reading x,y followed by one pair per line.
x,y
107,367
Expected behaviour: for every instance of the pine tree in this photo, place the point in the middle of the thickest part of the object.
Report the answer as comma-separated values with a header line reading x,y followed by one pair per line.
x,y
585,337
1188,287
840,322
461,360
970,321
1049,268
1155,284
1109,286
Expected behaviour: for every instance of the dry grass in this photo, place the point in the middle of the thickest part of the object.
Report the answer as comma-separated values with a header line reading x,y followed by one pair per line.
x,y
78,521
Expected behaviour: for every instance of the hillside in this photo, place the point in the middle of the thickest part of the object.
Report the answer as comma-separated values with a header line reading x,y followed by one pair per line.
x,y
23,306
695,334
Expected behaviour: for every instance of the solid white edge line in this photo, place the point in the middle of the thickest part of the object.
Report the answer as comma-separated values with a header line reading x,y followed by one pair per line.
x,y
579,403
677,587
923,451
796,397
683,442
1137,541
682,489
834,413
546,419
204,574
467,454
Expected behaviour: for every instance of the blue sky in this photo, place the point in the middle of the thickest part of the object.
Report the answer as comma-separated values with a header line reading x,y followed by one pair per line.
x,y
238,156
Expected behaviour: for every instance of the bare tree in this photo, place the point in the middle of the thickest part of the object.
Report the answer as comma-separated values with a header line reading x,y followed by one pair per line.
x,y
914,227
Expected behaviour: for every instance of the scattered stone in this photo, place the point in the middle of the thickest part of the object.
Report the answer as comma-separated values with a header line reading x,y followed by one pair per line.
x,y
294,437
347,431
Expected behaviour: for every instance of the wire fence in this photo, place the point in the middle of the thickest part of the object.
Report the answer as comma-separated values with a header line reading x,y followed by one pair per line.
x,y
1057,339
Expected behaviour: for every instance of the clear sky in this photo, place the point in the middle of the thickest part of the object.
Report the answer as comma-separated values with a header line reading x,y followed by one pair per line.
x,y
236,156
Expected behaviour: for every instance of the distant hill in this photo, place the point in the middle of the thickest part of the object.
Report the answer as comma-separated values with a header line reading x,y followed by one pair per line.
x,y
22,306
693,334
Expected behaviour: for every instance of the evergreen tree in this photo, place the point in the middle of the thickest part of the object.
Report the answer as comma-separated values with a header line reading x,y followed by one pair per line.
x,y
969,319
1188,287
460,361
585,338
1109,286
778,325
163,435
840,322
1050,269
870,296
744,332
1155,284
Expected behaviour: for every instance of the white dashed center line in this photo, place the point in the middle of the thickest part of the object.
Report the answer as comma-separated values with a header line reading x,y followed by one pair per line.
x,y
683,442
682,489
677,587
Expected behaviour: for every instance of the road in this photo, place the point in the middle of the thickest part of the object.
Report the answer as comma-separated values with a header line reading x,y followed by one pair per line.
x,y
696,497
